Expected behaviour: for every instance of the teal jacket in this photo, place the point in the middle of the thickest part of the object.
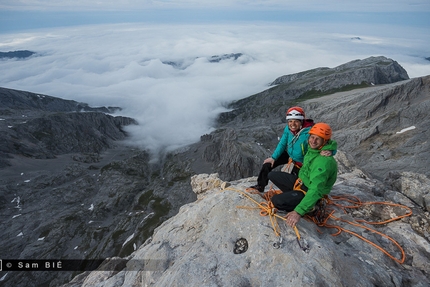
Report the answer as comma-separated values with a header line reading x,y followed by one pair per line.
x,y
318,174
295,145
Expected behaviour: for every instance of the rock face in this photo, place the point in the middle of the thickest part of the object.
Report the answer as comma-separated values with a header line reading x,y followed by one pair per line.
x,y
373,70
40,126
69,189
273,102
201,240
383,127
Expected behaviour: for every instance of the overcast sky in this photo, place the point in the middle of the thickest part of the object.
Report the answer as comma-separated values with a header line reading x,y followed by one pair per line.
x,y
26,14
115,52
326,5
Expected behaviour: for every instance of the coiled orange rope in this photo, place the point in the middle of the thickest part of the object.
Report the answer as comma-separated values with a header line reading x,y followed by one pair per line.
x,y
356,203
267,208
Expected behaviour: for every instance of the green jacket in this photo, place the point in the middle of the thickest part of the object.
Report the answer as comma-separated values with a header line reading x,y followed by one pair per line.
x,y
318,174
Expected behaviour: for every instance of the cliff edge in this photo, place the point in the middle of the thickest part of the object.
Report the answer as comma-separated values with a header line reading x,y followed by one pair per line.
x,y
221,240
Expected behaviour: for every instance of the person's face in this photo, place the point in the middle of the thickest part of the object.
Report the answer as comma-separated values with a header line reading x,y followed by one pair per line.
x,y
294,125
315,142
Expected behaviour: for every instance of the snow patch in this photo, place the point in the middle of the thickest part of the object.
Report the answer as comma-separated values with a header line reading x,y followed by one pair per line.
x,y
152,213
406,129
41,239
15,216
128,239
91,207
18,202
20,234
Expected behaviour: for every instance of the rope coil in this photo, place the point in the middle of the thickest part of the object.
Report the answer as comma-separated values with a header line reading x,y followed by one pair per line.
x,y
356,203
321,218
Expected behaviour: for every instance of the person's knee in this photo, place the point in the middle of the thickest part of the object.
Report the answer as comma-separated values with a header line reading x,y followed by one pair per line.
x,y
273,175
267,166
279,202
276,201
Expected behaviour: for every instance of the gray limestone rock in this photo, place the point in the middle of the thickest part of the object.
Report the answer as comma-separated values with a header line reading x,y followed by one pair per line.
x,y
196,247
414,186
69,189
385,128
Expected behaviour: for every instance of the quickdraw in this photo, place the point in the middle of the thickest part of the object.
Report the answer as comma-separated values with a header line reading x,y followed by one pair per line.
x,y
302,243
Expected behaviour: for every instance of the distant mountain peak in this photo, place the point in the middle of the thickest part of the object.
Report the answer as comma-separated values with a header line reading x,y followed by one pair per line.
x,y
20,54
185,63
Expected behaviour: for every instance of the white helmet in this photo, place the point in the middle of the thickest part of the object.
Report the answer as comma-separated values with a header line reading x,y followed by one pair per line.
x,y
295,113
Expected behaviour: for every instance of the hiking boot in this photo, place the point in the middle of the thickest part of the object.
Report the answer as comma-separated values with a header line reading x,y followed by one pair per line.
x,y
258,188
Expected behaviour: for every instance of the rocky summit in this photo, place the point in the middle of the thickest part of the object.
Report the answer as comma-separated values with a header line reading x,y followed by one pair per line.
x,y
222,240
188,220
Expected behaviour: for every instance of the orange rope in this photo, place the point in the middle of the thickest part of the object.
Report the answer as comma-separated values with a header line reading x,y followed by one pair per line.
x,y
356,203
267,208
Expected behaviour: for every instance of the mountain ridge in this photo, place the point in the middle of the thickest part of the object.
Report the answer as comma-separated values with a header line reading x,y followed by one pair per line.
x,y
115,198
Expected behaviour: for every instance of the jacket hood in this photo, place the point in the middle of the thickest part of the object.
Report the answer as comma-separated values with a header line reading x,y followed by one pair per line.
x,y
330,145
307,123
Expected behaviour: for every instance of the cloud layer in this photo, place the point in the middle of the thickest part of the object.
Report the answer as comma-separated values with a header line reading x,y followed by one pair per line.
x,y
161,74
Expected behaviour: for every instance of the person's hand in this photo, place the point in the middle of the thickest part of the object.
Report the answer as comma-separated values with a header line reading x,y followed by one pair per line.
x,y
292,218
269,160
326,153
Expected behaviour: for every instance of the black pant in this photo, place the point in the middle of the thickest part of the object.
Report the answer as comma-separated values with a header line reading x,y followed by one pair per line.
x,y
289,198
263,179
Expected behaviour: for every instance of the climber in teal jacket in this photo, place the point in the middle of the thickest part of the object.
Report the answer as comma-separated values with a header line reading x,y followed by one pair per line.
x,y
295,144
291,148
315,179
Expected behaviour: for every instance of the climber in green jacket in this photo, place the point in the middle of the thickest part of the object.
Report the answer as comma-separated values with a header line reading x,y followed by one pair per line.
x,y
291,148
315,179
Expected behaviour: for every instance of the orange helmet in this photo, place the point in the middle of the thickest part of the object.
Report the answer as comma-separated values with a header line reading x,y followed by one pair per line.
x,y
295,113
322,130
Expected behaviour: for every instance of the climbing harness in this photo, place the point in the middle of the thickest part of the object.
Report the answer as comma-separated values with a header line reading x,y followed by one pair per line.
x,y
290,165
323,211
298,185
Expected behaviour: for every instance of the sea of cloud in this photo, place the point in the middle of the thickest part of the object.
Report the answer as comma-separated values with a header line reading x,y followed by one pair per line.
x,y
127,65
